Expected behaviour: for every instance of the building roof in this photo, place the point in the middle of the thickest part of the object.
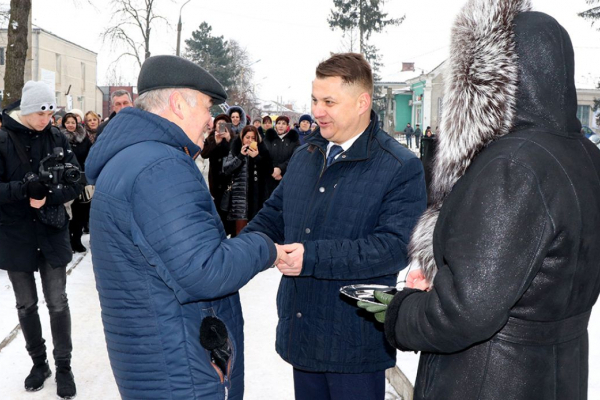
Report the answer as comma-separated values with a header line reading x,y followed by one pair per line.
x,y
37,29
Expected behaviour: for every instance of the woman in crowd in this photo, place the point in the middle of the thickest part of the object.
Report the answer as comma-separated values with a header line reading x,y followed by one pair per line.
x,y
80,144
216,149
238,118
249,164
92,121
428,150
267,123
281,144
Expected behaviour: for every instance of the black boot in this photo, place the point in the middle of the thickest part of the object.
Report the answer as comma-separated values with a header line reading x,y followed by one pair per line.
x,y
39,373
65,383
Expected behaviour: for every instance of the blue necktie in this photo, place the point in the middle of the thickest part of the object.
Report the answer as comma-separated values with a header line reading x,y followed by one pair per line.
x,y
333,152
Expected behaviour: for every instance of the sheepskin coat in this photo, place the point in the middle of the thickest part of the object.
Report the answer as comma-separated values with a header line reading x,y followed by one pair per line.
x,y
511,239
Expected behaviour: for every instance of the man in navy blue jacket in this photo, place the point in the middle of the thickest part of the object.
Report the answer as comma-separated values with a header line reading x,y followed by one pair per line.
x,y
346,207
164,271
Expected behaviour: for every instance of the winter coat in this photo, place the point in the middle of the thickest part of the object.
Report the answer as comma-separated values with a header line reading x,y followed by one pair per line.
x,y
243,120
515,243
162,263
281,151
354,219
22,236
418,133
303,135
216,154
249,177
80,148
103,125
408,131
428,149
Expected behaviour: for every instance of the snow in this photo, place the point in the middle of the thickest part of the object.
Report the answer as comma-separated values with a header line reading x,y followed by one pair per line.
x,y
14,25
267,375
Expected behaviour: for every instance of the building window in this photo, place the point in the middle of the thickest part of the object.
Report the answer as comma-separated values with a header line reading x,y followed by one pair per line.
x,y
83,77
2,60
57,96
583,114
58,68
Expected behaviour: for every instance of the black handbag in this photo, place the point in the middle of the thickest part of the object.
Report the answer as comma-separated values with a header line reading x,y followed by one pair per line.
x,y
54,216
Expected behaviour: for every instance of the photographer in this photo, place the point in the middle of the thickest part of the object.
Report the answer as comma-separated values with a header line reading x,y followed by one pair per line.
x,y
34,226
250,165
216,148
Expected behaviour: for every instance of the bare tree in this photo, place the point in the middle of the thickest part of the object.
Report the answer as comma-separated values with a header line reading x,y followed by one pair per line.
x,y
16,52
132,25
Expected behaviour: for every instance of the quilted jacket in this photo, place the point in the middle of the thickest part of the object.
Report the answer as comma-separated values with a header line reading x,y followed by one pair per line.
x,y
162,263
354,219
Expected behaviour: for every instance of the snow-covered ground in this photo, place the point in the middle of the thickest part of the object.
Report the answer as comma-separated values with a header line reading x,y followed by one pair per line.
x,y
267,376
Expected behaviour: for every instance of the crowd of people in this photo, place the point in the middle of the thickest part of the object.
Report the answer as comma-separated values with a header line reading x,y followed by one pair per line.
x,y
496,223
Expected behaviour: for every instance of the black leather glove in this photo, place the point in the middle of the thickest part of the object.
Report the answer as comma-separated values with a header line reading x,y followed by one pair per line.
x,y
37,190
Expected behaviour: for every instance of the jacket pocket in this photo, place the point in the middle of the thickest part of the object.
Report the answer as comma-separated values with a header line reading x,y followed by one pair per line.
x,y
218,347
428,366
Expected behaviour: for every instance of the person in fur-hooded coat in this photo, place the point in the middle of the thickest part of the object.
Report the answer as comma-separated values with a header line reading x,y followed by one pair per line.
x,y
238,120
510,243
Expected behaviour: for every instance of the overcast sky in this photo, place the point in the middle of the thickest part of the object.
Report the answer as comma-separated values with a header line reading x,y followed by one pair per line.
x,y
291,37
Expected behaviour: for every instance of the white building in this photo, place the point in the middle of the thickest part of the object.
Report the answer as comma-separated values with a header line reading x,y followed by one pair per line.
x,y
67,67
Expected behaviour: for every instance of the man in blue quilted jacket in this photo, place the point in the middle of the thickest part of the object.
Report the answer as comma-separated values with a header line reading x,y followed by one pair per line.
x,y
346,207
166,276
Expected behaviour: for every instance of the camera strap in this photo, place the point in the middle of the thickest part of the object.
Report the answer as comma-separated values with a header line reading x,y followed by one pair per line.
x,y
20,150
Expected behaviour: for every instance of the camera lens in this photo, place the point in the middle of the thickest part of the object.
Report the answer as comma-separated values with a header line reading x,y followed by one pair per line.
x,y
72,175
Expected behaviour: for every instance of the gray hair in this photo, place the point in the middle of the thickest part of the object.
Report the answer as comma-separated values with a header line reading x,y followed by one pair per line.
x,y
157,101
119,93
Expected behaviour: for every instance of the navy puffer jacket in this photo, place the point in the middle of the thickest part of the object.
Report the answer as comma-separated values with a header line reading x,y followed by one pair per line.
x,y
162,263
354,218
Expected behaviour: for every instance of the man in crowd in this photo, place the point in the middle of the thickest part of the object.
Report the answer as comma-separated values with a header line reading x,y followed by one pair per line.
x,y
34,230
408,132
164,269
119,99
418,134
346,206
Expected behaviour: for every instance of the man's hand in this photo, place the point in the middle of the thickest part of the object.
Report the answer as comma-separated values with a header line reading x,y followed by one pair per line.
x,y
378,309
292,264
277,174
416,280
37,203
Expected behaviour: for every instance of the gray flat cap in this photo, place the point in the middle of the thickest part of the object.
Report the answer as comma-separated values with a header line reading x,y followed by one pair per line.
x,y
162,72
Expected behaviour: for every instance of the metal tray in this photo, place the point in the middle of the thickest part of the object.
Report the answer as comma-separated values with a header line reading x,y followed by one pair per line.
x,y
365,292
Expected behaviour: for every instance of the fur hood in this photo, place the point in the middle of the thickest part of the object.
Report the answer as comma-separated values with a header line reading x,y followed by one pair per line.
x,y
271,135
479,105
243,119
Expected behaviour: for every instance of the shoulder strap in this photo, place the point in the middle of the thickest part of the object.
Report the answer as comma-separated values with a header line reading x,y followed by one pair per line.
x,y
20,150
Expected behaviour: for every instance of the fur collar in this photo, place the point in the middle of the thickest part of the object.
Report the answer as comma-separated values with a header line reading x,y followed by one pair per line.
x,y
479,105
292,135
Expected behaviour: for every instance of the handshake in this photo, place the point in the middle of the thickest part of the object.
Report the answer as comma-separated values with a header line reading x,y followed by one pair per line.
x,y
290,258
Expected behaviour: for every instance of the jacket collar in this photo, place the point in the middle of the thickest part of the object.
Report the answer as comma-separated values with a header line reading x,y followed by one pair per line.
x,y
360,150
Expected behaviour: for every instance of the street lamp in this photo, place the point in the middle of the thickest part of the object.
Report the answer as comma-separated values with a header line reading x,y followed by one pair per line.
x,y
179,27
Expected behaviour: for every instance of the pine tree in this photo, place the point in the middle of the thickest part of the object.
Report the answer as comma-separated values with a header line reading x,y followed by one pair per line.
x,y
213,53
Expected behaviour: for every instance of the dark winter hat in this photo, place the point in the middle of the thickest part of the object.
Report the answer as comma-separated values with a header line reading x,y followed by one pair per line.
x,y
163,72
222,117
267,118
282,118
36,97
305,117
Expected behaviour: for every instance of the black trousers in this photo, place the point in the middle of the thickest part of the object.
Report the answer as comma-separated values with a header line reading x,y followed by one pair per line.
x,y
334,386
54,281
81,215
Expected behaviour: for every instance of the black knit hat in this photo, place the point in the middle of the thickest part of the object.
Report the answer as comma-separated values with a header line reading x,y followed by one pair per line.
x,y
163,72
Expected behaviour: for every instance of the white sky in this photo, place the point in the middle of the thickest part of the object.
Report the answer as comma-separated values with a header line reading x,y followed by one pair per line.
x,y
291,37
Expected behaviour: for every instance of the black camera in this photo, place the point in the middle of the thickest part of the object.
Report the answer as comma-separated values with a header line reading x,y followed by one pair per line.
x,y
54,173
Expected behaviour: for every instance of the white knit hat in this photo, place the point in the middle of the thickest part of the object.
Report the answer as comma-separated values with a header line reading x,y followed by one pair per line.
x,y
37,96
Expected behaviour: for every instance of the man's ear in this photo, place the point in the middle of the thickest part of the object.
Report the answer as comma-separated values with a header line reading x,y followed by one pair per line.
x,y
175,104
364,103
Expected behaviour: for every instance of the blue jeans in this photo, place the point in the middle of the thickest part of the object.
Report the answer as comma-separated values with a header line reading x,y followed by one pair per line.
x,y
334,386
54,281
409,140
